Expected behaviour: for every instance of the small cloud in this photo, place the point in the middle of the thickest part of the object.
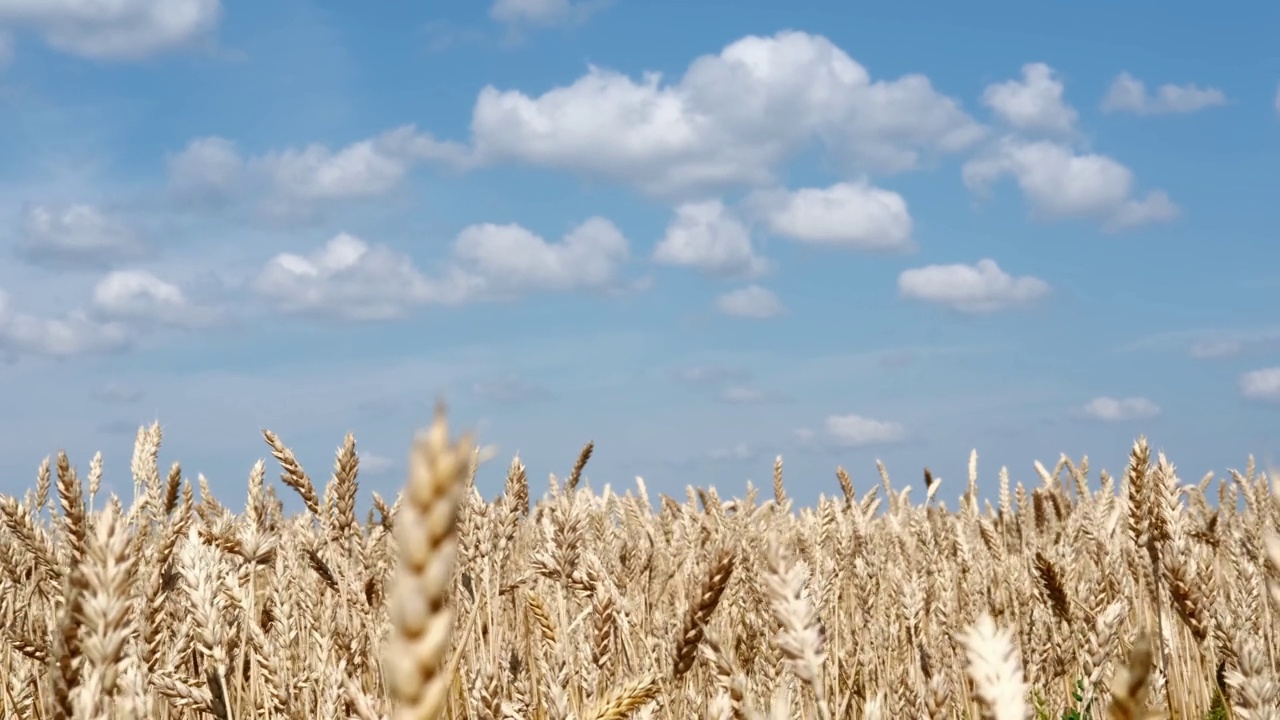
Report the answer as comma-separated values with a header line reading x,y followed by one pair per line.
x,y
848,215
1035,103
1058,184
296,183
76,236
858,431
742,395
709,237
1233,343
1261,384
1109,409
76,333
118,30
1213,349
207,171
117,394
373,464
709,375
351,279
139,296
752,302
520,14
980,288
738,452
1129,94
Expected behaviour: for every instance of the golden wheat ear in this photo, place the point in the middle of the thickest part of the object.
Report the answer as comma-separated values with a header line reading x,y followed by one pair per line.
x,y
426,542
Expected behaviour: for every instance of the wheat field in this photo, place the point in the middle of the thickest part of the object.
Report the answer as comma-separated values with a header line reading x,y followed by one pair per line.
x,y
1136,597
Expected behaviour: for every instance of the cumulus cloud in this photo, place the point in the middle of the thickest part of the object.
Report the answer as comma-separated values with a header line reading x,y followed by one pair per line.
x,y
980,288
346,278
117,30
708,236
508,258
853,215
75,333
1261,384
730,120
297,180
1058,183
207,169
752,302
1109,409
76,236
859,431
1034,104
1129,94
141,297
350,279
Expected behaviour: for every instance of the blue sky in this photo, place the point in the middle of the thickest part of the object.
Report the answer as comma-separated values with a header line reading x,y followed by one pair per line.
x,y
701,234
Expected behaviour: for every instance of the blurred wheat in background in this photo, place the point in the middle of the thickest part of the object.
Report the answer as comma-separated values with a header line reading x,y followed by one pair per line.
x,y
1138,598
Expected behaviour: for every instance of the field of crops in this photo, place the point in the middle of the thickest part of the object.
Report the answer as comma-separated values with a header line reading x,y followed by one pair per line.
x,y
1130,596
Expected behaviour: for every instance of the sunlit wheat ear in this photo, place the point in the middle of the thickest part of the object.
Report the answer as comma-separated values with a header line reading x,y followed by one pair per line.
x,y
996,670
426,540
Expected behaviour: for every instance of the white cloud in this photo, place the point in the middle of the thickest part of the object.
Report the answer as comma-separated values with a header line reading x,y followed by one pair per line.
x,y
373,464
301,179
543,13
1060,184
1214,349
708,236
76,235
1261,384
119,29
730,120
1109,409
1035,103
980,288
1129,94
346,278
752,302
741,395
208,168
741,451
76,333
858,431
511,257
351,279
140,296
852,215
